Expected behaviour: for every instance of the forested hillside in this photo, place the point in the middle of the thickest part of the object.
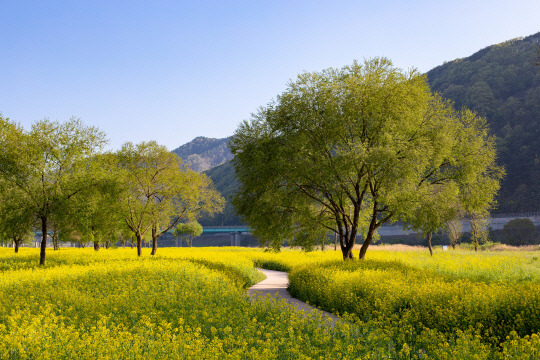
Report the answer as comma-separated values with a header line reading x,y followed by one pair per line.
x,y
502,83
204,153
226,183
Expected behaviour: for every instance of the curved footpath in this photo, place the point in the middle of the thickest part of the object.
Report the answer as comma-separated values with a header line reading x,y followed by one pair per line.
x,y
275,284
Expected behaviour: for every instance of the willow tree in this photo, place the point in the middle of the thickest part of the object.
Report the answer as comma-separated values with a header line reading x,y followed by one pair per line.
x,y
16,222
48,166
346,150
159,191
94,216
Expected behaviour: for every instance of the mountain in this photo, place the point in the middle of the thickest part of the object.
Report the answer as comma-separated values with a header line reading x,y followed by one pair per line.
x,y
502,84
204,153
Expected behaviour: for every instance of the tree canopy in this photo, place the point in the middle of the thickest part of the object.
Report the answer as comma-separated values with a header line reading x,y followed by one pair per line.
x,y
159,191
188,231
346,150
46,168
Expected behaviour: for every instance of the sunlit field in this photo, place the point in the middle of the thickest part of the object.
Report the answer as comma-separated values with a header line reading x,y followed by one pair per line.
x,y
192,303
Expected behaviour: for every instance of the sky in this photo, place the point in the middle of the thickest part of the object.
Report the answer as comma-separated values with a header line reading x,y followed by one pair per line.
x,y
173,70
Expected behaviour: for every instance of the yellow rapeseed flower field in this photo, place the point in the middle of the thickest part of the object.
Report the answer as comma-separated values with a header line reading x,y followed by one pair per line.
x,y
192,304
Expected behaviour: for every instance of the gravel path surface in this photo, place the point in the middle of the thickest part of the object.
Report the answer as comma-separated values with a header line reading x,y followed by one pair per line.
x,y
275,284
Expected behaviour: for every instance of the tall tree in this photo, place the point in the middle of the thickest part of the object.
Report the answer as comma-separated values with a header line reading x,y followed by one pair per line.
x,y
48,166
349,149
160,191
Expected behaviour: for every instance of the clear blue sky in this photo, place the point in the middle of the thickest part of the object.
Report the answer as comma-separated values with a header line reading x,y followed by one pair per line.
x,y
173,70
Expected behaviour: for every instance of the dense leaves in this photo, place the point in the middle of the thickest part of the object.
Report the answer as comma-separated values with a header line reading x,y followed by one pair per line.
x,y
47,168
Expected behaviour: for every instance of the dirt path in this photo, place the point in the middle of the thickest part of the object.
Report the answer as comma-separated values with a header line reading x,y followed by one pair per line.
x,y
277,282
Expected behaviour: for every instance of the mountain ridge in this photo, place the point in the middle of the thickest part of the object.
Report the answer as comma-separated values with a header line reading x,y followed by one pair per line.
x,y
203,153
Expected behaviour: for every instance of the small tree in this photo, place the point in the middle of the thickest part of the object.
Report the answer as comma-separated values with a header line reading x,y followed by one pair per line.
x,y
479,229
188,231
16,221
519,232
454,230
160,191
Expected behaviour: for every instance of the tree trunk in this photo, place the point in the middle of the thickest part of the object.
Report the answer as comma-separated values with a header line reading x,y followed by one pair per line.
x,y
347,240
43,241
369,237
139,243
347,253
365,245
107,244
96,245
154,240
371,230
429,235
17,245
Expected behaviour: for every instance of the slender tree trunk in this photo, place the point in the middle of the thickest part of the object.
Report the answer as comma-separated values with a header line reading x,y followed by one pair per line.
x,y
17,245
43,241
335,242
154,240
429,236
107,244
96,245
371,231
367,242
139,243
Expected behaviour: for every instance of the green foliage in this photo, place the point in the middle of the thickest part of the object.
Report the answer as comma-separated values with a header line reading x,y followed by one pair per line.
x,y
159,191
519,232
188,231
346,150
502,83
46,168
